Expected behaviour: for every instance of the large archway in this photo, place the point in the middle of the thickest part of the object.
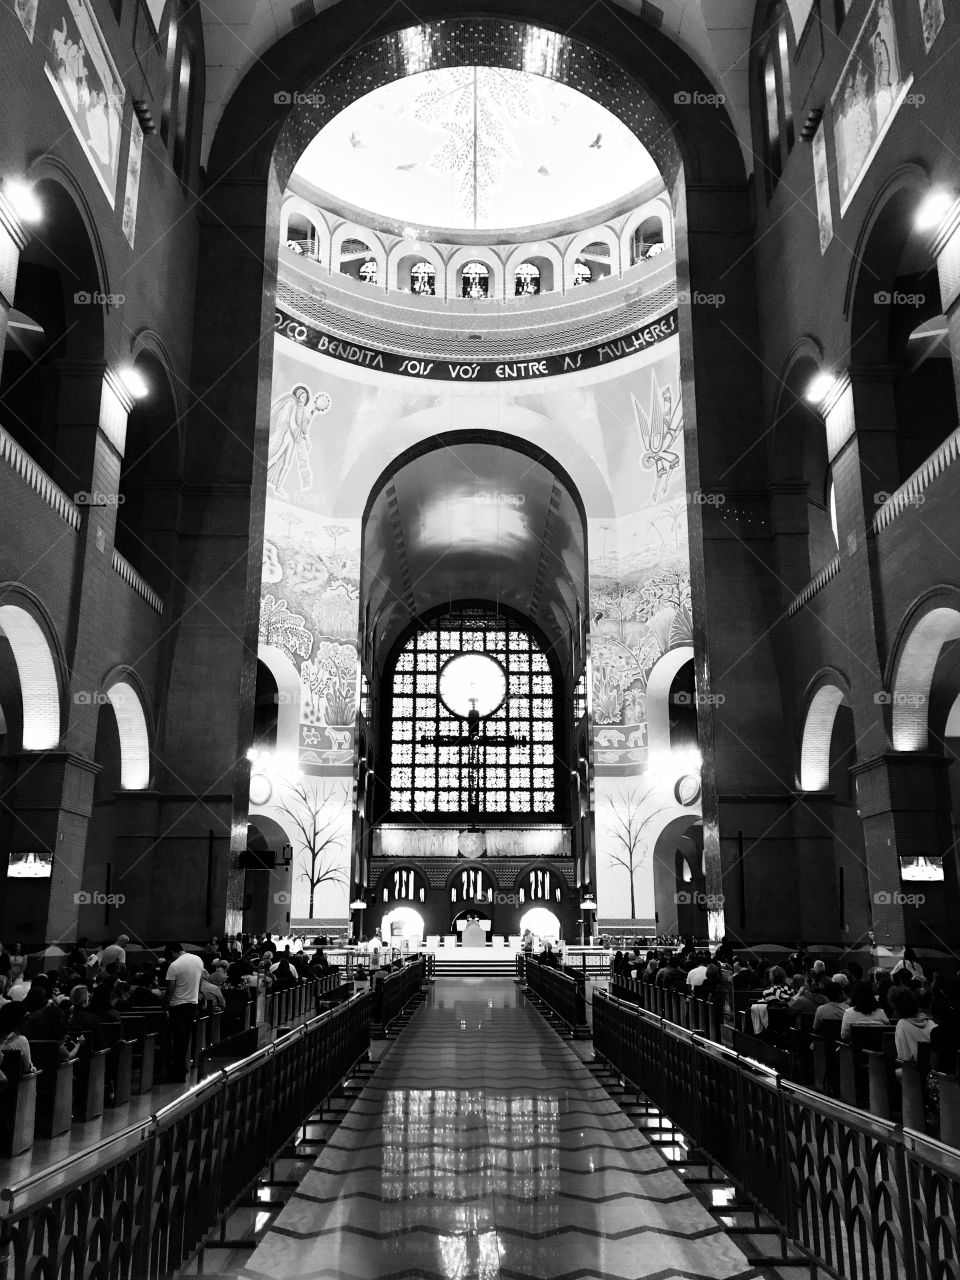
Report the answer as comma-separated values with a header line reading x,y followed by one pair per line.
x,y
709,152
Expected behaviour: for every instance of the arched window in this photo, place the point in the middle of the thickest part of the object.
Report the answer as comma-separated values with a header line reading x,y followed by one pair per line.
x,y
423,279
540,886
648,239
777,92
472,884
472,723
357,260
302,236
404,885
368,271
475,281
526,280
582,274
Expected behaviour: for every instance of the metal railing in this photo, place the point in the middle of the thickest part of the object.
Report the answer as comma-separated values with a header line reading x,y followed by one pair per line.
x,y
561,992
695,1013
138,1204
393,992
862,1196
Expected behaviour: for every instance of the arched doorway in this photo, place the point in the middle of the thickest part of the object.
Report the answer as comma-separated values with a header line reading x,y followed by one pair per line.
x,y
403,925
267,877
542,923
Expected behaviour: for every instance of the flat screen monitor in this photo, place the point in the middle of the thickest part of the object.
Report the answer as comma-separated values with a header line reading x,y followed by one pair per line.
x,y
29,866
921,868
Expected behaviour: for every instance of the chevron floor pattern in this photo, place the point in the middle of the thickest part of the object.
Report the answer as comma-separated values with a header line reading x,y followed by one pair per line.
x,y
483,1148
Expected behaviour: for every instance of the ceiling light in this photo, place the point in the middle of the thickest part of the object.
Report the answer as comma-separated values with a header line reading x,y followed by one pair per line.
x,y
935,207
134,381
23,200
820,387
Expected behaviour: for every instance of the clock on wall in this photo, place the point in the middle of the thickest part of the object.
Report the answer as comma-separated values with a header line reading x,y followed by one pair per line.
x,y
472,680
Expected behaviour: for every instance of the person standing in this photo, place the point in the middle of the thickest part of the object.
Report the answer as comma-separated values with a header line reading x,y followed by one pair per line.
x,y
183,996
115,953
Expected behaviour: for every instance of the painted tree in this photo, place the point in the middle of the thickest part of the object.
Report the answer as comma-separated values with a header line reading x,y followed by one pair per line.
x,y
315,820
626,824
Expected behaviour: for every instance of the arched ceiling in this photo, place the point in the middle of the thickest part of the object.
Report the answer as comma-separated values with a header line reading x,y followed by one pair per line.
x,y
714,33
473,521
478,148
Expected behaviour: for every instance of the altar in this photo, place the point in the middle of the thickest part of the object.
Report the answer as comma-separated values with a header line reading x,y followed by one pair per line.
x,y
473,933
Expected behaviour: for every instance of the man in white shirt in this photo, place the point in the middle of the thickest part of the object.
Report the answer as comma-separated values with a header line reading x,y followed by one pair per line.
x,y
116,953
183,995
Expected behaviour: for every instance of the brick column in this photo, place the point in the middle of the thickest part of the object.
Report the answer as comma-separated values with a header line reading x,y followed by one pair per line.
x,y
904,804
91,425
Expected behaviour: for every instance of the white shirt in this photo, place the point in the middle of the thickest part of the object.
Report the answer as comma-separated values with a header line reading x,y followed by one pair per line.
x,y
185,973
696,976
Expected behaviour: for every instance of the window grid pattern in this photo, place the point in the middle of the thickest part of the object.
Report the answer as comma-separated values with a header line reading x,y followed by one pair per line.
x,y
431,777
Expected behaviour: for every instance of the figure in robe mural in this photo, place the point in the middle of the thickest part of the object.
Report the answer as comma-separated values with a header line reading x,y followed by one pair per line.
x,y
290,420
659,430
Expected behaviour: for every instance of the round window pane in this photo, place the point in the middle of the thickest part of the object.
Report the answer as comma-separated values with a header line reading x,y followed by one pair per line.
x,y
472,681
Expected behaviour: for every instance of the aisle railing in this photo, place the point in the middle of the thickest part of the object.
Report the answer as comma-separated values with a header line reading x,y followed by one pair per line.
x,y
394,991
862,1196
139,1203
562,993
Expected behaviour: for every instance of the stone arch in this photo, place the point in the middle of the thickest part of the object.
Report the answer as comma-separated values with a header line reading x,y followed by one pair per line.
x,y
128,703
472,864
657,208
931,626
296,206
35,659
475,253
289,693
543,256
405,254
402,864
353,231
818,723
605,235
543,864
659,683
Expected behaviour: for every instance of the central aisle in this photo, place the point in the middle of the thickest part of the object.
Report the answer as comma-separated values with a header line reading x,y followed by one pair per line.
x,y
484,1149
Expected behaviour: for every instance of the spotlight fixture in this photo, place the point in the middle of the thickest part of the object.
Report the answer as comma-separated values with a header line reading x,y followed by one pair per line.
x,y
935,207
23,200
820,386
134,381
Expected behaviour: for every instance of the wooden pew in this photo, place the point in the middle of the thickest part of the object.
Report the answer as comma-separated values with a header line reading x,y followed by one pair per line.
x,y
136,1028
54,1089
119,1064
18,1106
89,1083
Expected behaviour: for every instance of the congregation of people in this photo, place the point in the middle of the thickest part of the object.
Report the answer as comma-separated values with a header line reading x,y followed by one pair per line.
x,y
95,985
923,1008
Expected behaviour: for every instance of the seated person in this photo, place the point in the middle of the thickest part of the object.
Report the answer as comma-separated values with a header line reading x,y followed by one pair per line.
x,y
12,1016
833,1008
778,989
211,996
283,974
671,975
743,976
81,1022
914,1025
103,1003
810,996
696,975
864,1010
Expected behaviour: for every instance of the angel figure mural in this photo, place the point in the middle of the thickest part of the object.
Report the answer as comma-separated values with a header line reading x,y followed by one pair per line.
x,y
290,420
659,430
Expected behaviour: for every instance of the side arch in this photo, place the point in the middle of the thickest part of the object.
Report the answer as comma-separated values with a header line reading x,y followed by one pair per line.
x,y
931,626
818,722
34,658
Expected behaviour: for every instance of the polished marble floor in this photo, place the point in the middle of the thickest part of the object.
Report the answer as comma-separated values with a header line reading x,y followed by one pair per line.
x,y
484,1149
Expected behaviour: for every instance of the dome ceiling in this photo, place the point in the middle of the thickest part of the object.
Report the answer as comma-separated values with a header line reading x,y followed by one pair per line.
x,y
476,148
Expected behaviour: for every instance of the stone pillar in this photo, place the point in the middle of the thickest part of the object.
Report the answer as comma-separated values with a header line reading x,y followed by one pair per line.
x,y
13,241
91,426
53,800
904,803
818,904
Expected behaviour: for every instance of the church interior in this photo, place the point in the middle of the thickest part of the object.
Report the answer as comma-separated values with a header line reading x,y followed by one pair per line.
x,y
479,639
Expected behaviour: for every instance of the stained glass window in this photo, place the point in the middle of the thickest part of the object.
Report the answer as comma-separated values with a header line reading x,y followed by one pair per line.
x,y
476,281
512,761
423,279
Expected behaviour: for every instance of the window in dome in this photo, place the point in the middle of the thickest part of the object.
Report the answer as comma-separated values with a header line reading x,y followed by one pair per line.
x,y
582,274
527,280
368,271
476,281
423,280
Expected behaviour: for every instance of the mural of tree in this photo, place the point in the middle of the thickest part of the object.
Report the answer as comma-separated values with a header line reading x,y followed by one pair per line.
x,y
315,820
670,588
626,824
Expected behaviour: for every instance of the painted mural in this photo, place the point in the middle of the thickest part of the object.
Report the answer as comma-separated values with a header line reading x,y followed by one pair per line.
x,y
871,88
